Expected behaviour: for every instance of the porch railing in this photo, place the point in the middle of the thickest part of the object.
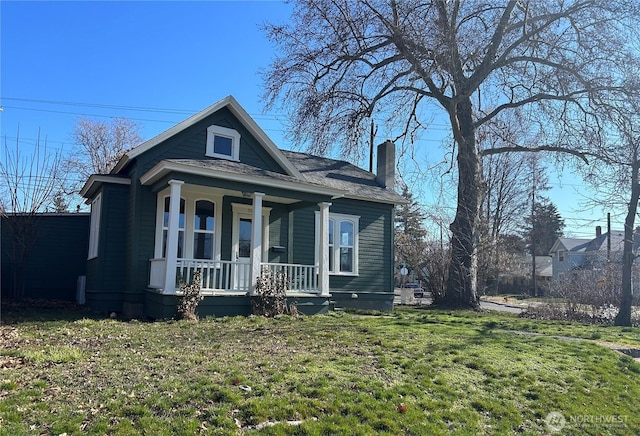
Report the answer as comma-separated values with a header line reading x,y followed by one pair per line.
x,y
225,275
302,278
217,275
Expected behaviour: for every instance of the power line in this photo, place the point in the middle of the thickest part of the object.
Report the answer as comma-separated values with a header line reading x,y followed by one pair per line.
x,y
274,117
270,116
92,115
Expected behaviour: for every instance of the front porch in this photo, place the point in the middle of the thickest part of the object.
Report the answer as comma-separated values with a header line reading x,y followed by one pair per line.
x,y
227,290
230,241
222,277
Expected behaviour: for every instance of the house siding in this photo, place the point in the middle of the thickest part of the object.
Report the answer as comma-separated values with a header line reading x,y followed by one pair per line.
x,y
191,144
139,249
374,284
106,273
278,234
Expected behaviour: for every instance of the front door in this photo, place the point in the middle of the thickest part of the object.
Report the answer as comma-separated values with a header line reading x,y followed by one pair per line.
x,y
242,229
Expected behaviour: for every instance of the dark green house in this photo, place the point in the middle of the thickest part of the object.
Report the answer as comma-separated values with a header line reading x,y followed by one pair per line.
x,y
215,193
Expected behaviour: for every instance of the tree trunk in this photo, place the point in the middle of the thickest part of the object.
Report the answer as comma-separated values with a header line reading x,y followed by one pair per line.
x,y
623,317
462,288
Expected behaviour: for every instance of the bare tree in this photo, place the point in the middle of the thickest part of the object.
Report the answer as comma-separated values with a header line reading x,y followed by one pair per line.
x,y
28,183
344,62
616,179
99,146
507,178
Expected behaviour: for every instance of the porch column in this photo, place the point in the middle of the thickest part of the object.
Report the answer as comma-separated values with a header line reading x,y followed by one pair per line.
x,y
323,258
172,237
256,240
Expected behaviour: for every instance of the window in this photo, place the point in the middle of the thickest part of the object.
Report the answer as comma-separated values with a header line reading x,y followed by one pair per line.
x,y
165,227
561,255
94,230
343,243
197,225
203,230
223,143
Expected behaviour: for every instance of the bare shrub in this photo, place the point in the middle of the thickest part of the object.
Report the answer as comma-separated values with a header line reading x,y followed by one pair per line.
x,y
436,262
191,297
589,296
270,298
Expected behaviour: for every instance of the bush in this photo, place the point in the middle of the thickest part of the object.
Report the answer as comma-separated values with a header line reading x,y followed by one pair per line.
x,y
188,302
270,298
591,296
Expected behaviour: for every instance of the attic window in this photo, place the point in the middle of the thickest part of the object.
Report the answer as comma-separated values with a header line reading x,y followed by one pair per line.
x,y
223,143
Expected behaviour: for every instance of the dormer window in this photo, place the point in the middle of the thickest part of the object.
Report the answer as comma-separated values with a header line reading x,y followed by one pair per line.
x,y
223,143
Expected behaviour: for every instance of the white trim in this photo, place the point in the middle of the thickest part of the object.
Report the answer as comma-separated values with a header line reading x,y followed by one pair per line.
x,y
223,132
337,218
95,180
163,167
94,229
173,232
257,240
241,210
190,194
323,247
215,255
247,211
239,113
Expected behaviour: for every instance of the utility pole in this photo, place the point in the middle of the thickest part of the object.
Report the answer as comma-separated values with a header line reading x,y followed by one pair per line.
x,y
609,237
371,139
533,225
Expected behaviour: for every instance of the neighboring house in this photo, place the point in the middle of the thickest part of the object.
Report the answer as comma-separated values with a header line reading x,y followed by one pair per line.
x,y
566,255
215,193
571,256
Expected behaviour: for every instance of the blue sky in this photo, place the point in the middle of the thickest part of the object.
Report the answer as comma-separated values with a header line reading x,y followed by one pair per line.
x,y
156,63
169,55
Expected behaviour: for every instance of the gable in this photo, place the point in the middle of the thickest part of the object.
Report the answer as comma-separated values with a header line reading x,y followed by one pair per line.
x,y
569,244
191,143
188,140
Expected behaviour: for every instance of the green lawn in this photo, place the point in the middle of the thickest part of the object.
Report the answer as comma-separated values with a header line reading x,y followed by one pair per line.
x,y
415,371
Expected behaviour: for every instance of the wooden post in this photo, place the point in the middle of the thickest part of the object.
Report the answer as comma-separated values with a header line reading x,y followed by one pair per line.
x,y
171,255
323,258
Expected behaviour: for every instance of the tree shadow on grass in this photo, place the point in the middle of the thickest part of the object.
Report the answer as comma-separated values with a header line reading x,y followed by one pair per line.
x,y
34,310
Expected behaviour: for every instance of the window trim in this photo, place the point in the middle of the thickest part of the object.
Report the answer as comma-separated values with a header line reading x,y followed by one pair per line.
x,y
334,220
234,135
164,228
94,227
204,232
190,196
246,210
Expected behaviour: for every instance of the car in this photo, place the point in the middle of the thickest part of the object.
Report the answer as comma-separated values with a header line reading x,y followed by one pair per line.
x,y
418,292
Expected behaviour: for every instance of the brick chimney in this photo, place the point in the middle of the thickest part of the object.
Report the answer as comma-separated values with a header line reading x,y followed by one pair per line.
x,y
598,231
386,164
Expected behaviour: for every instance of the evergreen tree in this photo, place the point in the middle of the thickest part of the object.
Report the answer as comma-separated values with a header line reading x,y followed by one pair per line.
x,y
410,234
544,226
410,217
60,205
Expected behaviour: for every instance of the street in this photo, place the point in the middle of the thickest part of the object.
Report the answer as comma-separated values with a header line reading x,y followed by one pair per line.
x,y
427,300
